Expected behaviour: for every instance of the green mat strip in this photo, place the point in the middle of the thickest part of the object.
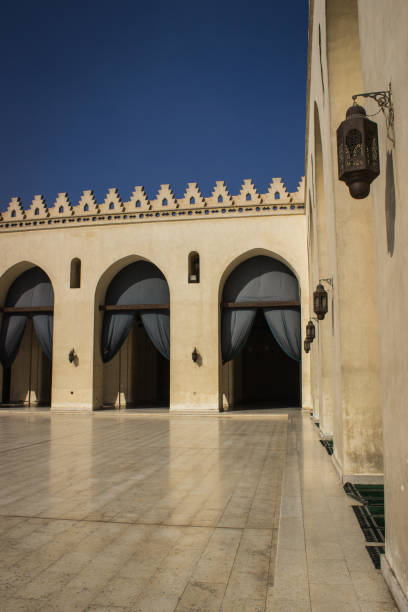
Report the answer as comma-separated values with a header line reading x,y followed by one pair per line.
x,y
370,514
375,552
366,494
328,445
372,532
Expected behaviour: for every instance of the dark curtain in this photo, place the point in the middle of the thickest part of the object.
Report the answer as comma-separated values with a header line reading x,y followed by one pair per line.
x,y
236,327
32,288
157,326
284,324
260,279
139,283
12,331
116,326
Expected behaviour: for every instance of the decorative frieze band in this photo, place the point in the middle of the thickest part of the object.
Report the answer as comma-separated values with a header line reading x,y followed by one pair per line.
x,y
165,206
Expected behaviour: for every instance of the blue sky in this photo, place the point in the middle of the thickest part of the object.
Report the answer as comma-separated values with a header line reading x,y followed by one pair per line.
x,y
99,94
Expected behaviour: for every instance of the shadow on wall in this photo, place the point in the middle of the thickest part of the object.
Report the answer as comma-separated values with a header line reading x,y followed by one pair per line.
x,y
390,211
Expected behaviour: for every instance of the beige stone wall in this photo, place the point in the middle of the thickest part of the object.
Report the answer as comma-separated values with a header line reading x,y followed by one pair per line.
x,y
346,360
194,314
363,47
384,52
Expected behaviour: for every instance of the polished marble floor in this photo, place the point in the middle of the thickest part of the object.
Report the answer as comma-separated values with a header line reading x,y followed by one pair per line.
x,y
155,512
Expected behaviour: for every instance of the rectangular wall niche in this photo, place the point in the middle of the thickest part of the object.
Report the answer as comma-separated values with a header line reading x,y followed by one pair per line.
x,y
75,276
194,267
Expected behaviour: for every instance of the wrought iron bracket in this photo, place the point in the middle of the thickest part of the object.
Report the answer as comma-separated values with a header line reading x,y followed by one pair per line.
x,y
384,101
327,280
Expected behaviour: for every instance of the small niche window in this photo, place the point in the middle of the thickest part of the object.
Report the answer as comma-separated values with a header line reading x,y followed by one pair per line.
x,y
86,207
138,204
164,202
75,277
192,200
248,197
61,209
194,267
37,211
220,199
13,213
277,195
111,206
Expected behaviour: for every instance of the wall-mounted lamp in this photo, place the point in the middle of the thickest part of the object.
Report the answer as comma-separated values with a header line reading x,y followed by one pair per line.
x,y
306,346
72,356
357,143
194,355
320,302
310,332
320,299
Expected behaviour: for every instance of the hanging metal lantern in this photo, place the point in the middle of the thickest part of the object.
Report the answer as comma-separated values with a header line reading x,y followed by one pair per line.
x,y
310,331
320,302
357,150
306,346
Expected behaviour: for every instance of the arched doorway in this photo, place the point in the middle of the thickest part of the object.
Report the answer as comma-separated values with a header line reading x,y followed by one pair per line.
x,y
260,334
26,340
135,338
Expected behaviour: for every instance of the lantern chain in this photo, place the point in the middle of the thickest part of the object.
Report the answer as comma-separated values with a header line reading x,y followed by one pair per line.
x,y
384,101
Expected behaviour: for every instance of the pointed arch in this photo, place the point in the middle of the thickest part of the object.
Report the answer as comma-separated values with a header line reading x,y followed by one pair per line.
x,y
128,332
26,334
270,288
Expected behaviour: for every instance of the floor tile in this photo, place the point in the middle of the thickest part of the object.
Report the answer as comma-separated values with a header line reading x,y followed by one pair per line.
x,y
157,513
371,587
287,605
201,596
336,598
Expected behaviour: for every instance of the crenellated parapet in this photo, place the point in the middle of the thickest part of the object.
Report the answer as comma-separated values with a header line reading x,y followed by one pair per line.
x,y
62,207
165,206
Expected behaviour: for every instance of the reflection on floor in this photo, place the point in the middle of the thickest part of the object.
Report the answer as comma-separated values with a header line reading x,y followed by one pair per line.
x,y
123,512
